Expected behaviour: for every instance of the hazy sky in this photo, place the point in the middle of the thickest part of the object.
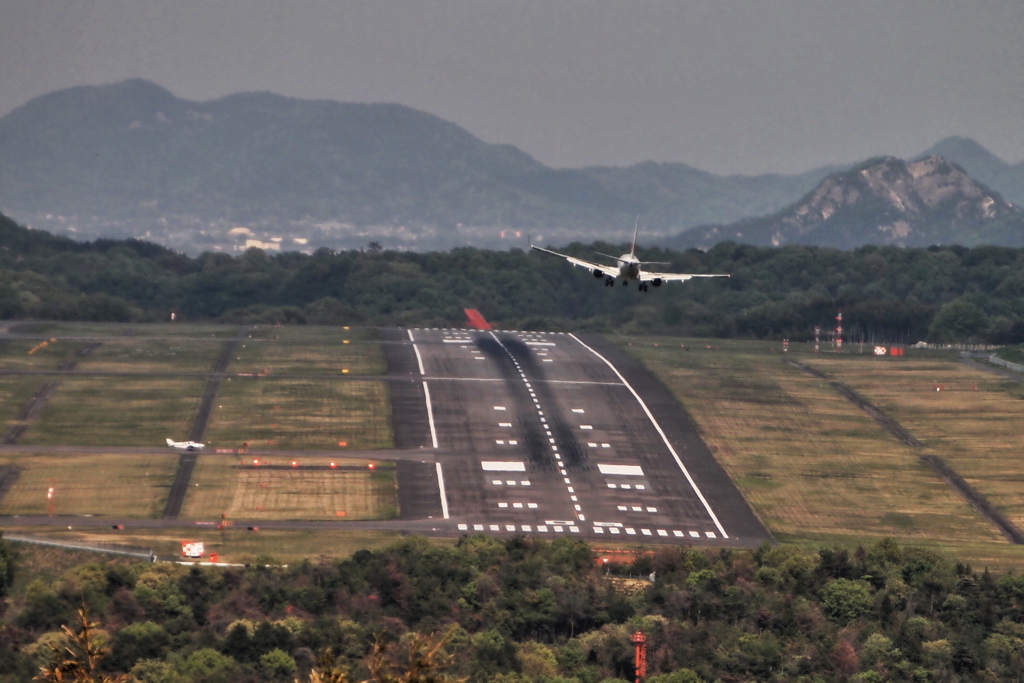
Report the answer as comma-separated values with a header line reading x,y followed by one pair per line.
x,y
736,86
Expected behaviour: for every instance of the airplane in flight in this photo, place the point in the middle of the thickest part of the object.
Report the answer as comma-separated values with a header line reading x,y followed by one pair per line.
x,y
186,445
628,267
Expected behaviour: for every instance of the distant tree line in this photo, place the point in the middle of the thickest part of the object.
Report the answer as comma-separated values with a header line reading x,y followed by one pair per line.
x,y
526,610
943,294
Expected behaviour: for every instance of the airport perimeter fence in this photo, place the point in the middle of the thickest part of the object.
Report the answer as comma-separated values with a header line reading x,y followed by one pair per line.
x,y
994,360
144,554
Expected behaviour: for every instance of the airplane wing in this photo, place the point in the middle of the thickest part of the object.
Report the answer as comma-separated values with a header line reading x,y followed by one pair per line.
x,y
675,277
610,271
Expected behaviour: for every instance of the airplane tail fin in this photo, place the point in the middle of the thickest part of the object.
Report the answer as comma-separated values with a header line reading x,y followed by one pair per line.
x,y
169,442
636,230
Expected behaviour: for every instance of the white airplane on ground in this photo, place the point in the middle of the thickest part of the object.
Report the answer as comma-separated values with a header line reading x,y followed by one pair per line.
x,y
627,267
186,445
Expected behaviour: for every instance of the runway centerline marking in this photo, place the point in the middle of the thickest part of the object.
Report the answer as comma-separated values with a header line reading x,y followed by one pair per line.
x,y
661,433
537,406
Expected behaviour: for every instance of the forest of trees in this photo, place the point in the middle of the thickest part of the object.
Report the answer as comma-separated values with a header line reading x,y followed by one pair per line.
x,y
525,610
942,294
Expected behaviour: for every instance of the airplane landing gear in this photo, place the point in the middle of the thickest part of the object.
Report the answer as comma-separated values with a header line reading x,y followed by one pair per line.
x,y
609,281
643,286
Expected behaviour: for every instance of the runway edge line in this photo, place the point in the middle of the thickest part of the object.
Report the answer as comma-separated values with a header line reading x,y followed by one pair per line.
x,y
661,433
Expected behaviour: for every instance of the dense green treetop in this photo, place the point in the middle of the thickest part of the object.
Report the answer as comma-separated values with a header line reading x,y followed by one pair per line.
x,y
948,294
524,610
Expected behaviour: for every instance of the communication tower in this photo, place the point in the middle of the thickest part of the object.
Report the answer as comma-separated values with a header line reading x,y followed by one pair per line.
x,y
640,642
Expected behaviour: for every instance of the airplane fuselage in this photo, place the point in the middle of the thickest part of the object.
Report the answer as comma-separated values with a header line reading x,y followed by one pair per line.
x,y
185,445
629,267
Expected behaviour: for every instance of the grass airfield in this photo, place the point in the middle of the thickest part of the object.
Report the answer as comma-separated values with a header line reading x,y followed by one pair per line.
x,y
128,387
815,468
820,471
301,413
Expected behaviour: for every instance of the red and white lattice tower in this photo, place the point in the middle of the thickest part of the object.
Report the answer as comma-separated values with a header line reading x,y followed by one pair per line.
x,y
640,642
839,331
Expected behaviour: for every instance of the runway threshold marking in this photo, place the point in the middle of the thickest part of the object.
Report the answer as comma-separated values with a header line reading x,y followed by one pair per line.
x,y
661,433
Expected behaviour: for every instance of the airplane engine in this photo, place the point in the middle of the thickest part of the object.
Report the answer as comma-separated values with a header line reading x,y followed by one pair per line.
x,y
596,272
656,282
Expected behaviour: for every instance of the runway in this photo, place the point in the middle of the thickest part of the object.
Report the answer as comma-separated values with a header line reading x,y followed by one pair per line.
x,y
542,433
547,434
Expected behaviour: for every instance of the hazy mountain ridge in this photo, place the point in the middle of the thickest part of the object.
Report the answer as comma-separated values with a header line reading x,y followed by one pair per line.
x,y
131,159
882,201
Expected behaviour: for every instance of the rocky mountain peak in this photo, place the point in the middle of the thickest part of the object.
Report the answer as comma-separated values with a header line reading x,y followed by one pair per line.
x,y
881,201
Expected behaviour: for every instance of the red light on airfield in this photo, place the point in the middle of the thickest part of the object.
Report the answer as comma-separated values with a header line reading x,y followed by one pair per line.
x,y
295,463
371,466
256,463
334,464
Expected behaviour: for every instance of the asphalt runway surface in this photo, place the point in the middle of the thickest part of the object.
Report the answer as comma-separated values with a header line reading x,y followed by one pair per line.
x,y
541,433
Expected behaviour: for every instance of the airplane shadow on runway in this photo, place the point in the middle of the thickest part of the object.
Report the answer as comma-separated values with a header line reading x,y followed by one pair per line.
x,y
530,429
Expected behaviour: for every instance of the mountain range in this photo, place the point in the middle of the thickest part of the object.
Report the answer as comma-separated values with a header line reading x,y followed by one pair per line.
x,y
132,160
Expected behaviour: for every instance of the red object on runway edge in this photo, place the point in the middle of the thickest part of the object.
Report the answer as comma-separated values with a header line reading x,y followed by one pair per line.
x,y
476,320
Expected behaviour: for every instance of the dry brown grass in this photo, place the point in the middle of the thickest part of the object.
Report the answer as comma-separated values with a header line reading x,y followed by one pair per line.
x,y
117,411
812,464
31,354
150,355
107,484
301,414
971,418
220,487
330,357
314,334
15,393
